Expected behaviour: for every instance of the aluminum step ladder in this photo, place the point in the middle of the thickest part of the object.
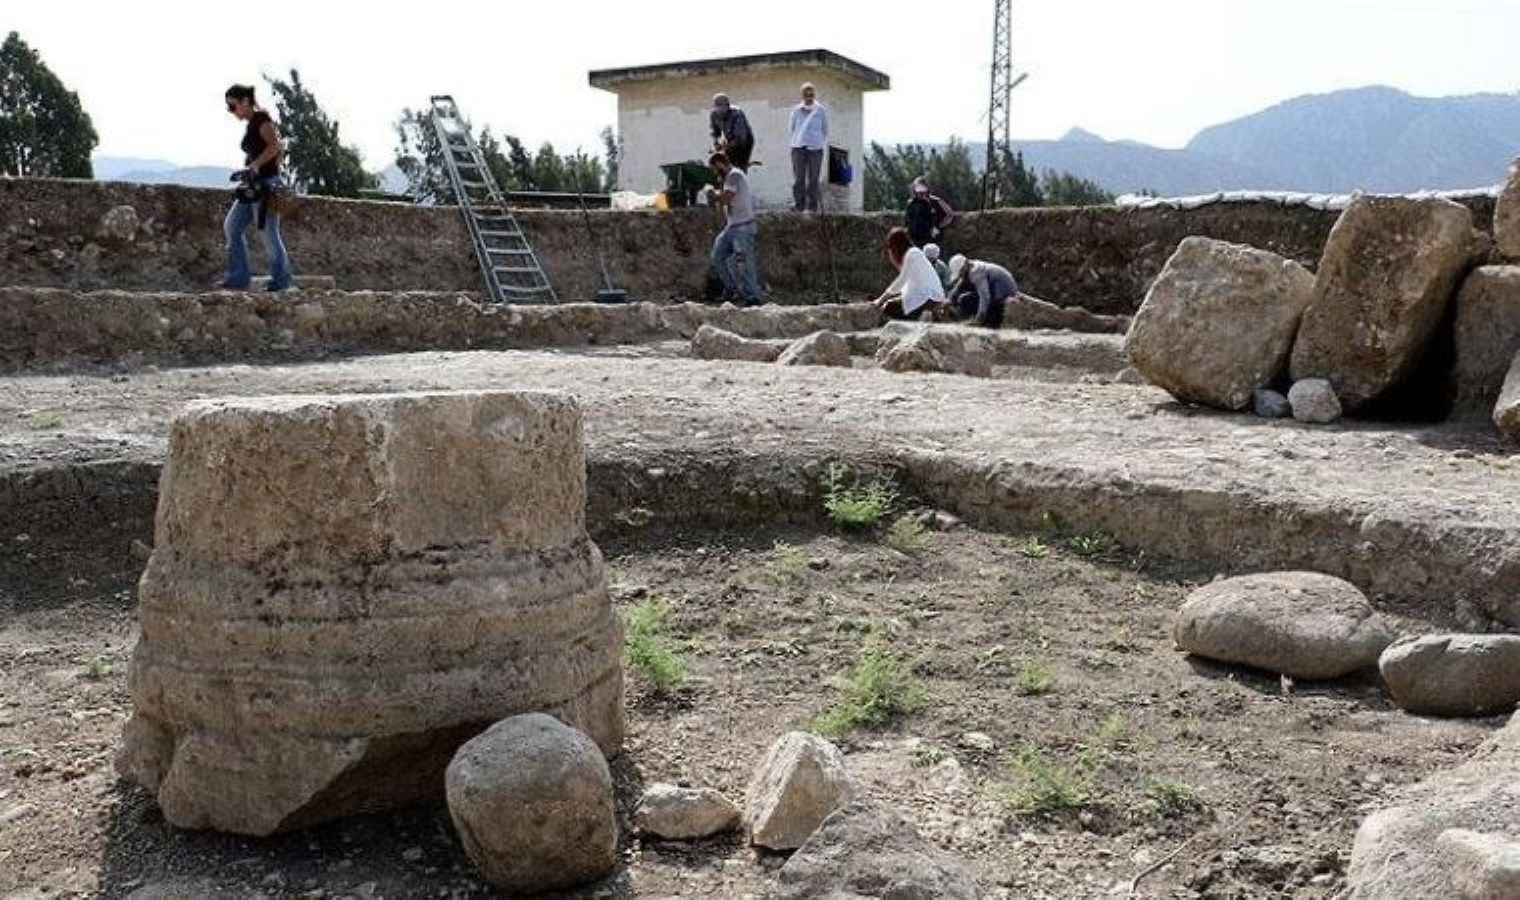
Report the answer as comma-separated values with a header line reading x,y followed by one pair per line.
x,y
507,262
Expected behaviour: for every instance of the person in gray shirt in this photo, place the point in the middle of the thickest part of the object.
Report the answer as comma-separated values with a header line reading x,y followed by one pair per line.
x,y
981,290
733,252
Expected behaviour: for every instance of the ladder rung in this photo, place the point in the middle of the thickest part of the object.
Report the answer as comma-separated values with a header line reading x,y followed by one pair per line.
x,y
516,270
509,251
501,234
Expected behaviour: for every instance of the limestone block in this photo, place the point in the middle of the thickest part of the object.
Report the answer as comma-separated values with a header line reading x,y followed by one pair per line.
x,y
1507,216
685,814
869,850
1390,269
931,348
800,782
1487,336
344,589
1219,322
1313,402
821,348
715,343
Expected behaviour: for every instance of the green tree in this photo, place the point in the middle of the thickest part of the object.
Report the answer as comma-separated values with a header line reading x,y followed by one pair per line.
x,y
420,158
319,162
952,176
1017,185
1065,189
44,130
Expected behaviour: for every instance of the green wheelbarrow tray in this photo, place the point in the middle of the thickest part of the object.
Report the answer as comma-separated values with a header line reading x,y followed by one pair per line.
x,y
687,179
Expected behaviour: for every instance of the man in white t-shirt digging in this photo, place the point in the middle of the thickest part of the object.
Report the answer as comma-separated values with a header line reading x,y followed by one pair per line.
x,y
733,252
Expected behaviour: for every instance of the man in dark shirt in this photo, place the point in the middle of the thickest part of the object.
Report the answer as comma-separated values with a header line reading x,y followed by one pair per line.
x,y
926,214
731,133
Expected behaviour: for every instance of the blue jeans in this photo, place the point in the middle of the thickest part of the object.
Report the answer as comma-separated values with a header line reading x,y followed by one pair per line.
x,y
733,255
239,217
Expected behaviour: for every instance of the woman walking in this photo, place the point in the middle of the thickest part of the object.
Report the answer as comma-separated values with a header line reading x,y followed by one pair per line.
x,y
263,153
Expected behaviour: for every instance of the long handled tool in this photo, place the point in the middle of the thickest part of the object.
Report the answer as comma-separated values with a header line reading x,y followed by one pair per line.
x,y
608,293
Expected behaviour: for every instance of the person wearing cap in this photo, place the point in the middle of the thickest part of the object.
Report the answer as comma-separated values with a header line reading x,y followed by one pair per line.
x,y
809,129
926,214
981,289
931,251
731,133
916,291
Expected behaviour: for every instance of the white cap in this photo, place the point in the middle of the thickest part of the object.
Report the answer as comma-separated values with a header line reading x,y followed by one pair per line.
x,y
931,251
957,262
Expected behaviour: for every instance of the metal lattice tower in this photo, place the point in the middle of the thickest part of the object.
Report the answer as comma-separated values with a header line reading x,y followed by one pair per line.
x,y
997,104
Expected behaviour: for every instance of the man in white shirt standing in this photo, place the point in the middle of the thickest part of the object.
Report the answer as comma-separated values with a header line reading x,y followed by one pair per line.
x,y
809,127
733,253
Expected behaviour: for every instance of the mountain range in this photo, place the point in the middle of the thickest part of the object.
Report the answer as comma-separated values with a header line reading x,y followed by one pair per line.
x,y
1374,138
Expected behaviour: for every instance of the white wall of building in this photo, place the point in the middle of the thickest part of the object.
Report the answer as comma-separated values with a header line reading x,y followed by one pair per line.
x,y
666,121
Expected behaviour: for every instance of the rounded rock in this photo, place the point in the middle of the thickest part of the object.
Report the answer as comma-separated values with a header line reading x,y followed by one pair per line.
x,y
685,814
1314,402
1300,624
531,799
1454,674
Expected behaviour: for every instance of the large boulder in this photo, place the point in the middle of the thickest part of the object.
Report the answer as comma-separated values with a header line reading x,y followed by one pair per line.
x,y
1487,336
1507,217
1219,322
1449,836
912,347
1454,674
868,850
715,343
532,801
1507,408
801,781
343,590
1300,624
821,348
1389,272
684,814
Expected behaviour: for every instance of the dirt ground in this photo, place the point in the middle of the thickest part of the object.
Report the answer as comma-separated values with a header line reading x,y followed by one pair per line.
x,y
1044,660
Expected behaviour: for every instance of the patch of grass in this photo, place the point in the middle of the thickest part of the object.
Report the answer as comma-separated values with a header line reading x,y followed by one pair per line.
x,y
928,755
1112,731
95,668
1033,679
1043,787
1090,545
907,536
1035,548
45,420
789,568
855,505
1167,799
650,648
880,687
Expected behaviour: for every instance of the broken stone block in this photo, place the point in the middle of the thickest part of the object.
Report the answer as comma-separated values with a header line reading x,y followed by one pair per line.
x,y
1454,674
821,348
1400,851
1301,624
1507,409
1313,401
869,850
344,589
1487,337
1507,217
1219,322
715,343
531,799
684,814
800,782
1390,269
1483,866
910,347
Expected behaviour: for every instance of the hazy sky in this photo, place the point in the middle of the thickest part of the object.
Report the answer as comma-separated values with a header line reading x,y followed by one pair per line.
x,y
151,72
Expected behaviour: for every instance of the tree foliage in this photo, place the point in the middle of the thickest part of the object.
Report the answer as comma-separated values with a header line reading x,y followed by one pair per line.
x,y
953,176
44,130
420,159
318,161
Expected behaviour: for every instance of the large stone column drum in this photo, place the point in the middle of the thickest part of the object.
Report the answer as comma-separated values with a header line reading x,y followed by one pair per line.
x,y
344,589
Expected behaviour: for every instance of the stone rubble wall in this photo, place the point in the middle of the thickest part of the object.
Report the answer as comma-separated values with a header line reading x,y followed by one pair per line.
x,y
55,233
